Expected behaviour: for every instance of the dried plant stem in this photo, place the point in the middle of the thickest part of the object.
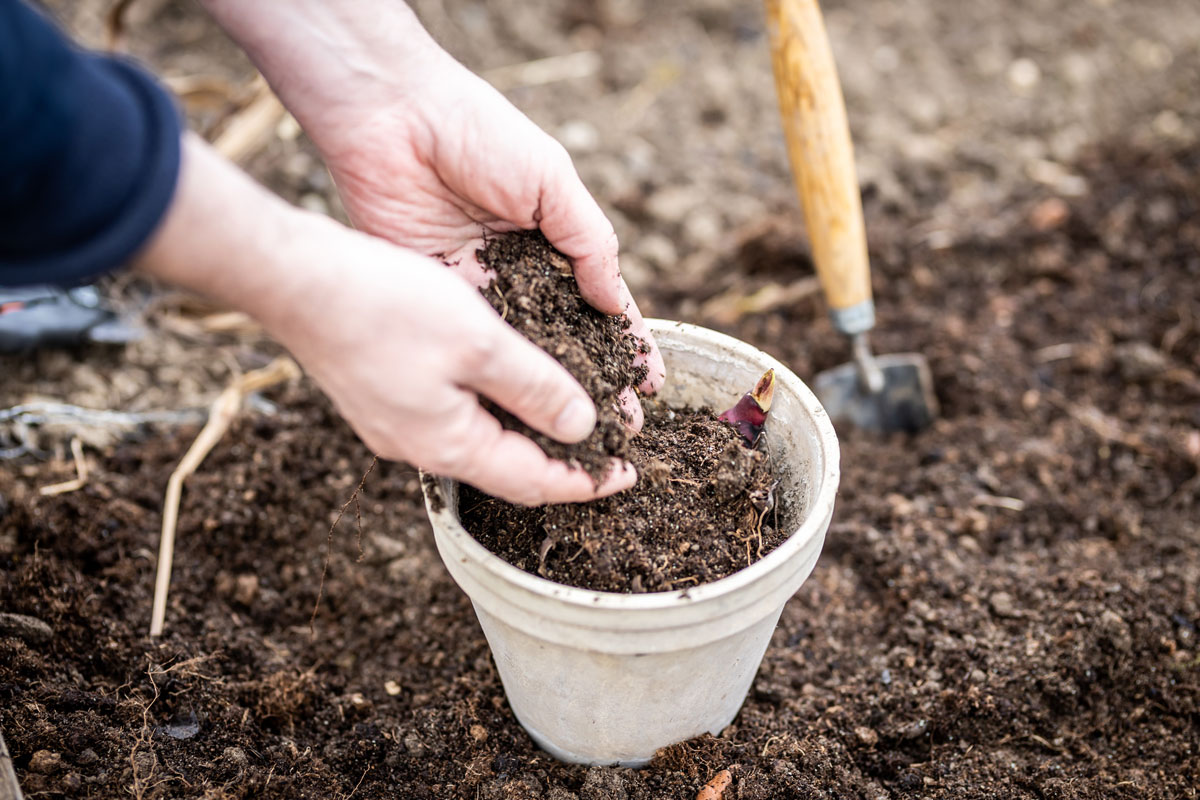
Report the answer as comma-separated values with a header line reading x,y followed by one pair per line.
x,y
221,415
81,473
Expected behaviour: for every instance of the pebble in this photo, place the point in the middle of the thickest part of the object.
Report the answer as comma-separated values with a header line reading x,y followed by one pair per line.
x,y
45,762
1024,74
1116,629
1002,605
1139,361
246,589
866,736
30,630
235,755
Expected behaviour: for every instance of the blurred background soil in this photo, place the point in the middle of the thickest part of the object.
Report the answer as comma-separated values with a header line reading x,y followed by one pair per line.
x,y
1008,603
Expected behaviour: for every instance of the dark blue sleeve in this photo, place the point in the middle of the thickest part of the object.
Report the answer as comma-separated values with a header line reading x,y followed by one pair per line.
x,y
89,155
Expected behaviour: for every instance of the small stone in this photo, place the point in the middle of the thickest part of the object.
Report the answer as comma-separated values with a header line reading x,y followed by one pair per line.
x,y
1002,605
235,756
866,736
30,630
413,744
674,203
45,762
579,136
977,676
72,781
246,589
914,729
1116,630
1050,214
1139,361
885,677
1024,74
392,688
87,757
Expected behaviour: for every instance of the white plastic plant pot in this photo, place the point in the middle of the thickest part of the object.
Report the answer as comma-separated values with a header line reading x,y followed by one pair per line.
x,y
607,678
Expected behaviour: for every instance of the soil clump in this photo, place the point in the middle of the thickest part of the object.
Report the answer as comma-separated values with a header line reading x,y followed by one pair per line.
x,y
535,291
701,510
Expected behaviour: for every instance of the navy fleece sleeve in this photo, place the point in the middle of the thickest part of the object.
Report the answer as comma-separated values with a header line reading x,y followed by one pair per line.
x,y
89,155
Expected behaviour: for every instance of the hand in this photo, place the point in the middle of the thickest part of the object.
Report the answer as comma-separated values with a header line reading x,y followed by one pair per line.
x,y
401,345
423,152
404,348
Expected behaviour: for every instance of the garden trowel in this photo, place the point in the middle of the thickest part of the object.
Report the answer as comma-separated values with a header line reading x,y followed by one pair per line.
x,y
884,393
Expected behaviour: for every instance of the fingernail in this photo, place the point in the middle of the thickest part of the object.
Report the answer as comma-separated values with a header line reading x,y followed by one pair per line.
x,y
576,420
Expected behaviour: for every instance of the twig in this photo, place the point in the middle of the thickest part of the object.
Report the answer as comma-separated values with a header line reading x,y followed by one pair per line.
x,y
9,788
249,129
81,473
224,410
329,539
114,25
360,780
582,64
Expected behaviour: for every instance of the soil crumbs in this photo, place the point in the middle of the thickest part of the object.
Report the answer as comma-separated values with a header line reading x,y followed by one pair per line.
x,y
534,290
700,511
697,511
1008,605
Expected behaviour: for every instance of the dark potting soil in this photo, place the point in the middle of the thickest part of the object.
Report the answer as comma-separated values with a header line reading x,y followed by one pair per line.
x,y
1007,607
699,510
702,509
535,292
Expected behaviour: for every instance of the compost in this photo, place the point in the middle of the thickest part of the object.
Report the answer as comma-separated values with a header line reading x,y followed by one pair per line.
x,y
700,508
1008,604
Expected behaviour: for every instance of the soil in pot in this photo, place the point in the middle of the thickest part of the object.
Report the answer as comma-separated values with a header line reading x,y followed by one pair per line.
x,y
703,506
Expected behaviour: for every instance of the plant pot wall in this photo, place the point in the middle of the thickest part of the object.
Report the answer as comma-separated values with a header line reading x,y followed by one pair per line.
x,y
603,678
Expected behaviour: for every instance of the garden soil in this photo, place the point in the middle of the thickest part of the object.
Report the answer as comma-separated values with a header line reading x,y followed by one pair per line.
x,y
698,513
1008,603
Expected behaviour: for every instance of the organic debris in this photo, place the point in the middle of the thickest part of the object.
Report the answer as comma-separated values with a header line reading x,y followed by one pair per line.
x,y
715,789
224,409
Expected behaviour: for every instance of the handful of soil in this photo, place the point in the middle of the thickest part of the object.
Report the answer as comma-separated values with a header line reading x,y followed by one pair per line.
x,y
535,291
703,507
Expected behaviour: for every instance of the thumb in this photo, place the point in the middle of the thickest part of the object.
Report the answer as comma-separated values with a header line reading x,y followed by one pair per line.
x,y
573,222
525,381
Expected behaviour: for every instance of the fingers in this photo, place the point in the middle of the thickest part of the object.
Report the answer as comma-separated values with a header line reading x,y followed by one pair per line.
x,y
635,417
574,223
525,381
510,466
656,370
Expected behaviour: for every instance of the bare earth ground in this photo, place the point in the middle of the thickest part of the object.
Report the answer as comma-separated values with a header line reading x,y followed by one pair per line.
x,y
1008,603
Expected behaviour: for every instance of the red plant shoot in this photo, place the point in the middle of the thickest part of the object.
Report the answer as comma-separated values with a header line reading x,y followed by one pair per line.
x,y
750,414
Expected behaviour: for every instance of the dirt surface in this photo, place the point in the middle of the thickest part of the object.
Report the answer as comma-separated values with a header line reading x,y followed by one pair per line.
x,y
1008,603
698,513
534,291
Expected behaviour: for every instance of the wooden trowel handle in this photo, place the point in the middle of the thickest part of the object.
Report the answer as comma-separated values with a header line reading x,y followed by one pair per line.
x,y
818,142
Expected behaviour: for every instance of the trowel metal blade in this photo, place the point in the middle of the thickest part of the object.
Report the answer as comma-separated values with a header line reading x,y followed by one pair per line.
x,y
906,402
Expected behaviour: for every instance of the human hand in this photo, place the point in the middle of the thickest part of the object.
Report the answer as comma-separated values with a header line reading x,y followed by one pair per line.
x,y
402,346
424,153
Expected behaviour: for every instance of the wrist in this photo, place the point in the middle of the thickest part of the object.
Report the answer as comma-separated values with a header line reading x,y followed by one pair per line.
x,y
334,65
